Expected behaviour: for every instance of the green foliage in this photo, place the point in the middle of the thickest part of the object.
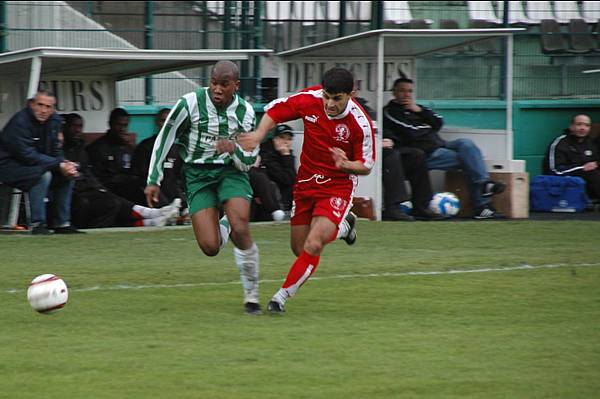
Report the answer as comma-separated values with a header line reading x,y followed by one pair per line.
x,y
150,317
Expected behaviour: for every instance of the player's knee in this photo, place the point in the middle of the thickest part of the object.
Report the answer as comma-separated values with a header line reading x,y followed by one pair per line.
x,y
313,246
209,250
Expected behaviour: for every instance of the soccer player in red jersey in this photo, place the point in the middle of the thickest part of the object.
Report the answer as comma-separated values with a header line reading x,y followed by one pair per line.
x,y
339,144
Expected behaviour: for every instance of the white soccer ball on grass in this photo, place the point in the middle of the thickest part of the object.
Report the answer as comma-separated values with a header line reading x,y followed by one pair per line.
x,y
47,293
445,204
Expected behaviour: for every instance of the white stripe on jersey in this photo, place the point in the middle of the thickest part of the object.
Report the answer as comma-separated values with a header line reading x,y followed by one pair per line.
x,y
362,120
192,101
552,161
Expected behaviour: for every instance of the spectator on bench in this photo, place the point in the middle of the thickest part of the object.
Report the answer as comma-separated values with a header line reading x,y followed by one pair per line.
x,y
417,126
31,159
273,179
110,158
172,185
94,206
575,153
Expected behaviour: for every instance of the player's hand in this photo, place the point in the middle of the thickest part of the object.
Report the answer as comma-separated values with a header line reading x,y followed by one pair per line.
x,y
248,141
224,145
152,192
339,157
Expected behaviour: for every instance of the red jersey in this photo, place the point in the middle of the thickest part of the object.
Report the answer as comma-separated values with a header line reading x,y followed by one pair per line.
x,y
351,131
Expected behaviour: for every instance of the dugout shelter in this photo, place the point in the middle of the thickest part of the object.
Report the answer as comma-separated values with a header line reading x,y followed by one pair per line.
x,y
378,57
85,81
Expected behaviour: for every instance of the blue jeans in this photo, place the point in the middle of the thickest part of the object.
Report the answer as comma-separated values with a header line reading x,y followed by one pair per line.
x,y
465,155
61,200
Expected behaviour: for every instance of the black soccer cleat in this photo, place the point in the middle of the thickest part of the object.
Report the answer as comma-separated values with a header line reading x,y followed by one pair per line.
x,y
275,308
490,188
252,308
351,236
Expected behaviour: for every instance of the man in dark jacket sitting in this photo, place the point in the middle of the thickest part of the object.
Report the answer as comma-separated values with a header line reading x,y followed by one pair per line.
x,y
31,159
575,154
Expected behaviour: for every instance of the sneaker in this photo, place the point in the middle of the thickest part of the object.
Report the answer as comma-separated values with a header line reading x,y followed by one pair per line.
x,y
351,236
487,212
394,214
275,307
252,308
67,230
492,188
40,230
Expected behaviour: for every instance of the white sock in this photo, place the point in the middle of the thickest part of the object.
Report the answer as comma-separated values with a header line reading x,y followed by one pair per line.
x,y
343,229
147,213
247,263
225,230
281,296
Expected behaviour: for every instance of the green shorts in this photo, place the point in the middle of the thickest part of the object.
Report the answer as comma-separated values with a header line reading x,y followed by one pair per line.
x,y
209,186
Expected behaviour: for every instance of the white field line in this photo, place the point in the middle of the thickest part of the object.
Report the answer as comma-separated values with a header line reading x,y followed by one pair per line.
x,y
335,277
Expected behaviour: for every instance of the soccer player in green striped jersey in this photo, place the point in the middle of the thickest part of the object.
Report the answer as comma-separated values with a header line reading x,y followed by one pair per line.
x,y
205,124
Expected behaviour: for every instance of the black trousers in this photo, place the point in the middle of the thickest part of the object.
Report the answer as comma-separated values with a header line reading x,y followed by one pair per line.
x,y
592,183
97,208
267,198
406,163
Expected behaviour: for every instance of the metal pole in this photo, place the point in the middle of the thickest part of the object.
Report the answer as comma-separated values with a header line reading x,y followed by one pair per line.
x,y
148,44
376,14
227,26
503,66
257,45
378,135
3,27
342,24
245,44
34,76
509,97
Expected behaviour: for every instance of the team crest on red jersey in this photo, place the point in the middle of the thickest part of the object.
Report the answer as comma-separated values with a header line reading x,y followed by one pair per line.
x,y
337,203
341,132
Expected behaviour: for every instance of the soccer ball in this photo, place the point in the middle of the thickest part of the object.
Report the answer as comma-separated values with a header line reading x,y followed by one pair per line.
x,y
445,204
47,293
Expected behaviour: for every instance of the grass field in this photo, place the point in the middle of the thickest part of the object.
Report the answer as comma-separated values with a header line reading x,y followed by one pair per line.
x,y
414,310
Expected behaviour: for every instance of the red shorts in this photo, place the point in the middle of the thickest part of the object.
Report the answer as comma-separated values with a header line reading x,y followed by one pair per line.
x,y
334,204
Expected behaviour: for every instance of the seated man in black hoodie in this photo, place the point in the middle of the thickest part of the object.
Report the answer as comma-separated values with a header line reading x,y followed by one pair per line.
x,y
94,206
575,154
273,178
110,158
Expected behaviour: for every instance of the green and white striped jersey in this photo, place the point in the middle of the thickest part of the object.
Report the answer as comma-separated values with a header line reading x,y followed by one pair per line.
x,y
196,124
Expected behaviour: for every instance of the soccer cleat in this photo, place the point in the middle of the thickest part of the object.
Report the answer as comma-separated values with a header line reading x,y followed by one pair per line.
x,y
275,307
252,308
351,236
41,230
490,188
67,230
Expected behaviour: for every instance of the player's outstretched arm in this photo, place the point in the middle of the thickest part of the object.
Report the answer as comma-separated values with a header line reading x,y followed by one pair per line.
x,y
250,141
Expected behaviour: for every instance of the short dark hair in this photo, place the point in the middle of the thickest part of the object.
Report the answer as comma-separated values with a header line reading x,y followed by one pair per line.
x,y
44,92
338,80
402,80
117,113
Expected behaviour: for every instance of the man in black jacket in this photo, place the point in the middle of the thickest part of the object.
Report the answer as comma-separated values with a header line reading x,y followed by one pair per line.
x,y
273,179
575,154
171,186
110,158
31,159
413,125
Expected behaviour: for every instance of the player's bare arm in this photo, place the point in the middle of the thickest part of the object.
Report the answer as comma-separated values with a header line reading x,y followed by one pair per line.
x,y
343,163
249,141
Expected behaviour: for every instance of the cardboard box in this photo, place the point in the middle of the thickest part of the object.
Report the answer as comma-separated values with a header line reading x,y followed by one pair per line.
x,y
512,203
